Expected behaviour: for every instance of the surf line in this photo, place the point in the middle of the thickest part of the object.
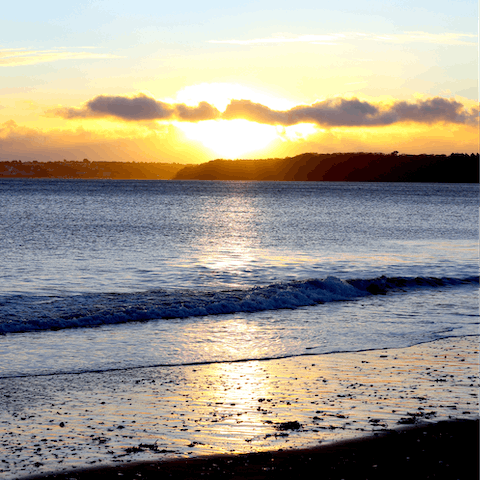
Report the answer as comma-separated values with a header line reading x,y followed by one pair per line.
x,y
218,362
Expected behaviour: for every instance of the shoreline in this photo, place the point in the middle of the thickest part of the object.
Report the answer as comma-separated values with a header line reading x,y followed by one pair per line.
x,y
62,425
447,449
220,362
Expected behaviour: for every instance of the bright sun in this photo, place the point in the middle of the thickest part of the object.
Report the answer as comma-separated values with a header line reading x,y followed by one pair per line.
x,y
234,138
230,138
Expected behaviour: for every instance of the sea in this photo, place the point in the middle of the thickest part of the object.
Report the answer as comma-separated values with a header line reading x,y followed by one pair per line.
x,y
103,275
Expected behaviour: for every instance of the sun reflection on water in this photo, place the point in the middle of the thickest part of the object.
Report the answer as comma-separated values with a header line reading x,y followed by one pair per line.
x,y
232,242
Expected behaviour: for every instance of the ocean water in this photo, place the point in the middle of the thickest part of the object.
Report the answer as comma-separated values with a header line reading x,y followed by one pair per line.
x,y
111,275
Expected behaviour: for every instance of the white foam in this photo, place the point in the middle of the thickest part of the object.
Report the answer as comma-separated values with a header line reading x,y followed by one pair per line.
x,y
30,313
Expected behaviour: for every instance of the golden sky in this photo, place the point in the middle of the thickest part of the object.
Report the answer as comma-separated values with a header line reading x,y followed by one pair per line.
x,y
191,82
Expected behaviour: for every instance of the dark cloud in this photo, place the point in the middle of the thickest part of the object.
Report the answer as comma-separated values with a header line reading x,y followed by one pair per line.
x,y
354,112
434,110
255,112
139,108
204,111
334,112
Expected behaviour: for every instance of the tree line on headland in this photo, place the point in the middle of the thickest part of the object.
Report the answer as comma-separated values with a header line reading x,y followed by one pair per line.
x,y
351,167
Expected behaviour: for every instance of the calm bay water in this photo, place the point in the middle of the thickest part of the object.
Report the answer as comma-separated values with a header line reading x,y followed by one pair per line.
x,y
99,275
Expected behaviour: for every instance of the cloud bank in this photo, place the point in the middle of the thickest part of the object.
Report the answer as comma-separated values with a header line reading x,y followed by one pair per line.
x,y
335,112
18,142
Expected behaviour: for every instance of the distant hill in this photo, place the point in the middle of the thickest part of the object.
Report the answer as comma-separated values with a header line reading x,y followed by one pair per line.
x,y
351,167
87,169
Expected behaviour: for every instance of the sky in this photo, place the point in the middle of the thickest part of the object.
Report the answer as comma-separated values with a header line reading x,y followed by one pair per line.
x,y
191,81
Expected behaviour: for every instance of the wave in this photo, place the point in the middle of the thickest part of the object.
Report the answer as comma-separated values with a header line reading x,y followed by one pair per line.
x,y
25,314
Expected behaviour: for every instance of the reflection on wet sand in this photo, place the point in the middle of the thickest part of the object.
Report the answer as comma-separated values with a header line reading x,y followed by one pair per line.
x,y
60,422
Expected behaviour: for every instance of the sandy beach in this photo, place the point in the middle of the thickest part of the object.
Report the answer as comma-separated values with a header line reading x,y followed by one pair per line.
x,y
135,418
443,450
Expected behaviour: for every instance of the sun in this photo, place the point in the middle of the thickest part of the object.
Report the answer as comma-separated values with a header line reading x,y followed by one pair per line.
x,y
230,138
236,138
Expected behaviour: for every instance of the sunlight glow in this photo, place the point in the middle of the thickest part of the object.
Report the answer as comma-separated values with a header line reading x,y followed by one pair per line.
x,y
297,132
230,138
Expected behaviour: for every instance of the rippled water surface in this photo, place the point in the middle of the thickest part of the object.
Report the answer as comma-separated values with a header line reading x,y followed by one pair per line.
x,y
176,272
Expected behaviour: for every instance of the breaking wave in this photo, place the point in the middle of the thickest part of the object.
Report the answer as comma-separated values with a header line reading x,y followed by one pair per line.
x,y
33,313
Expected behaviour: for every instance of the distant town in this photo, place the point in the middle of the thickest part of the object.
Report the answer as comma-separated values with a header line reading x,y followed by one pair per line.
x,y
90,170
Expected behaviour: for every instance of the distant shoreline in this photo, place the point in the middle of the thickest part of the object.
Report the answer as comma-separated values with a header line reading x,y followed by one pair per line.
x,y
336,167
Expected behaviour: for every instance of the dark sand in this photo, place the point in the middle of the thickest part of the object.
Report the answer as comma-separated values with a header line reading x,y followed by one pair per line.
x,y
443,450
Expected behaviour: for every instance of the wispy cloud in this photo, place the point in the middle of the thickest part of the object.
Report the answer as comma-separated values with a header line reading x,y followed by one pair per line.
x,y
333,39
18,56
425,37
316,39
333,112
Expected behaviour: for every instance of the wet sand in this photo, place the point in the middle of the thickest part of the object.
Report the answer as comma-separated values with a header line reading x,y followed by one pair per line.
x,y
140,418
444,450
